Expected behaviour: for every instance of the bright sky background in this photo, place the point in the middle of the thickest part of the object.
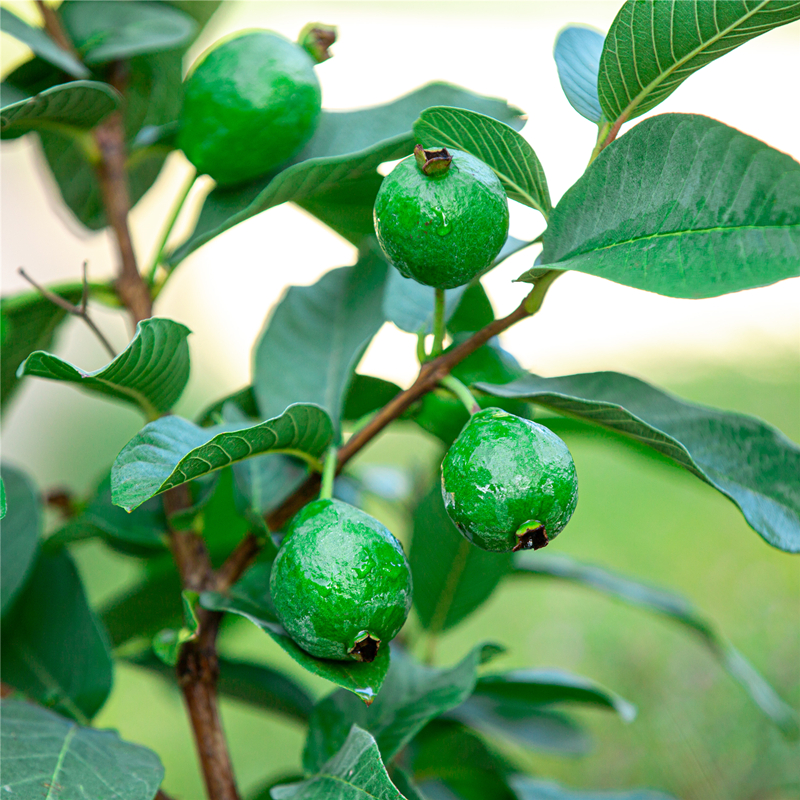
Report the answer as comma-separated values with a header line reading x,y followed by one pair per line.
x,y
385,49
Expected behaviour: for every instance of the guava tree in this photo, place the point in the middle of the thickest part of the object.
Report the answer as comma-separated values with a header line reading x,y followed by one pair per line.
x,y
239,512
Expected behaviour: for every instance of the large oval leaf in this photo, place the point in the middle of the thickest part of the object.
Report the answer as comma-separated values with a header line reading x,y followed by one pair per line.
x,y
653,46
495,143
47,755
684,206
750,462
79,104
171,450
347,146
527,788
577,55
150,373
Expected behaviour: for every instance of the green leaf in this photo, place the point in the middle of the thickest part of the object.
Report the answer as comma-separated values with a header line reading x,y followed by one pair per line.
x,y
412,695
78,105
577,55
356,772
109,31
527,788
21,532
244,401
347,146
316,336
28,322
474,311
150,373
409,305
42,750
652,47
546,687
494,142
3,504
684,206
367,394
54,649
171,450
451,576
41,44
363,679
745,459
678,610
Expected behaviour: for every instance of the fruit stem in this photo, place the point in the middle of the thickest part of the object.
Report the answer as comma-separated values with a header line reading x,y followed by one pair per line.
x,y
438,323
434,163
328,475
461,392
422,353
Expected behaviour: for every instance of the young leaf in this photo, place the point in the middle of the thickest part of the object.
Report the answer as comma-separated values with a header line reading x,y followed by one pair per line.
x,y
109,31
43,751
412,695
652,47
577,55
684,206
678,610
316,336
29,322
78,105
347,146
451,576
546,687
150,373
171,450
54,649
21,531
495,143
745,459
356,772
527,788
362,678
41,44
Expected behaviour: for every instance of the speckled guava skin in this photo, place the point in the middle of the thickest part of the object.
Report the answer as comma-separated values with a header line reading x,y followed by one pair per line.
x,y
339,574
249,105
502,472
441,230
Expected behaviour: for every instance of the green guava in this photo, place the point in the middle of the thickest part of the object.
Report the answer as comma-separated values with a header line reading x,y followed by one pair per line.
x,y
508,483
340,583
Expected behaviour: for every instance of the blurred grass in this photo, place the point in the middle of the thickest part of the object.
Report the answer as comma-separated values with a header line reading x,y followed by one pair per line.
x,y
697,734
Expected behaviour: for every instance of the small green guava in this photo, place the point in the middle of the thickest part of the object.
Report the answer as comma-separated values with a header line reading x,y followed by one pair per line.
x,y
441,217
341,583
508,483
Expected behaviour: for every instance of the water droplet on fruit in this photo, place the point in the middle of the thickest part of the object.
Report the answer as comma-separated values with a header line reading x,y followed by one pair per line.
x,y
445,230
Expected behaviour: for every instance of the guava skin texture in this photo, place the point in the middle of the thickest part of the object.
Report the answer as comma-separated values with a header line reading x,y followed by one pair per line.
x,y
441,230
250,104
504,474
339,575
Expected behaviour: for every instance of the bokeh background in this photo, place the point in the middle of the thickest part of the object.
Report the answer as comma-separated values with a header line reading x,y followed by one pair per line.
x,y
697,734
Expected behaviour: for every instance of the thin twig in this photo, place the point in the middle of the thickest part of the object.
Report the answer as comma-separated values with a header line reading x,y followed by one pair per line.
x,y
54,28
78,311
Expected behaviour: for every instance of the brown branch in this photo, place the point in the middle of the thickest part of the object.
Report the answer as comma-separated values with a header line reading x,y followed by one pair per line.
x,y
54,28
430,374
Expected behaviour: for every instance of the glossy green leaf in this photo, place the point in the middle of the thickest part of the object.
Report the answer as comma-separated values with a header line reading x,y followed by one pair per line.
x,y
745,459
547,687
150,373
77,105
678,610
28,322
347,146
21,531
45,753
495,143
412,695
315,338
107,30
54,649
171,450
361,678
577,55
41,44
652,46
356,772
684,206
451,576
527,788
